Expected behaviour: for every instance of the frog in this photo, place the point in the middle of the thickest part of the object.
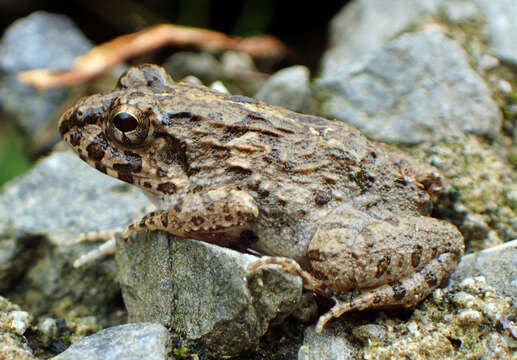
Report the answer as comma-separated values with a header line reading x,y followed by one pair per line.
x,y
315,196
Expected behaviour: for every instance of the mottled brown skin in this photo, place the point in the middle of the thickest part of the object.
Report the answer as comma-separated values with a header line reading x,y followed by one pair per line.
x,y
236,172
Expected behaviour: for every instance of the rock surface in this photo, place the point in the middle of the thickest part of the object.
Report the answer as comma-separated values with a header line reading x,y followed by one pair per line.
x,y
481,192
332,344
49,41
363,26
419,87
13,324
41,214
500,16
131,341
366,25
498,265
461,321
203,291
290,88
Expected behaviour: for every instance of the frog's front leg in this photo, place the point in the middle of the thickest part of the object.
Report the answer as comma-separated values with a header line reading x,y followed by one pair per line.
x,y
217,216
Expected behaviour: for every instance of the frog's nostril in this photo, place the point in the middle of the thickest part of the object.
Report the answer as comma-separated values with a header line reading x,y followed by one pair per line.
x,y
125,122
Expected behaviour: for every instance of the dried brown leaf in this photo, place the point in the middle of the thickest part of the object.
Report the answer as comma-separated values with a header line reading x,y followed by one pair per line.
x,y
110,53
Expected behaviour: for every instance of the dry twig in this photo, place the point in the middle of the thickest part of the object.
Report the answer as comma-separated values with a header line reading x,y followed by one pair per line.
x,y
106,55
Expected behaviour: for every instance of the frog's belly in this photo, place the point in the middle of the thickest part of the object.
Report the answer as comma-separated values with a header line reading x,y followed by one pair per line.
x,y
277,237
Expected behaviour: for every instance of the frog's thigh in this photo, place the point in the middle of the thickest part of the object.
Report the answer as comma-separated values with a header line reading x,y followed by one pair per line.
x,y
392,263
354,250
222,210
406,292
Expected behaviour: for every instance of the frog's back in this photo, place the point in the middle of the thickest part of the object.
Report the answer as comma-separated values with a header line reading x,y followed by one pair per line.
x,y
305,162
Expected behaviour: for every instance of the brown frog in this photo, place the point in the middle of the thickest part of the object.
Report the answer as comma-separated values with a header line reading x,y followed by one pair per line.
x,y
327,203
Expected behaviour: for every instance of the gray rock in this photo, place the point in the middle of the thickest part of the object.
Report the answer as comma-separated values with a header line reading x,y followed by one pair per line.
x,y
131,341
13,323
236,70
14,348
202,65
49,41
366,25
363,26
41,214
418,87
332,344
458,11
289,88
500,15
498,265
202,291
478,192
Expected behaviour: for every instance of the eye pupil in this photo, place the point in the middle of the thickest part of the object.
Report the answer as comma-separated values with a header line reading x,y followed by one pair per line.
x,y
125,122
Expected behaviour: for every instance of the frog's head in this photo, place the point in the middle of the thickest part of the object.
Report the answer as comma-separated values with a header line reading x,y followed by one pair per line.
x,y
122,133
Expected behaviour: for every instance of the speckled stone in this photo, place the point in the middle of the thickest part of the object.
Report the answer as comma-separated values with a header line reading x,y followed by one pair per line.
x,y
203,291
131,341
418,87
41,214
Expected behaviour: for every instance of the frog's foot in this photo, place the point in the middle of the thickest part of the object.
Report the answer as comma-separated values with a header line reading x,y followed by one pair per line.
x,y
106,249
225,212
108,236
405,293
100,235
292,267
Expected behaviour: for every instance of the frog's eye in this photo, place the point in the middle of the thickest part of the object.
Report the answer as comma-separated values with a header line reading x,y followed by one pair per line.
x,y
128,125
125,122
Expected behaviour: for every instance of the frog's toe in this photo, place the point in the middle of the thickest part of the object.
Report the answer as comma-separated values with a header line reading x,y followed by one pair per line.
x,y
336,311
106,249
292,267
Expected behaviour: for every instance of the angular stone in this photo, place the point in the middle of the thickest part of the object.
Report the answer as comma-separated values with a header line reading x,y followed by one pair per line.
x,y
290,88
500,15
203,291
332,344
131,341
41,213
498,265
49,41
363,26
419,87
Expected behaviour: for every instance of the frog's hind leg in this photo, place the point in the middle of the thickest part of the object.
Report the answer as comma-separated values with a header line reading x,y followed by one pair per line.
x,y
404,293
